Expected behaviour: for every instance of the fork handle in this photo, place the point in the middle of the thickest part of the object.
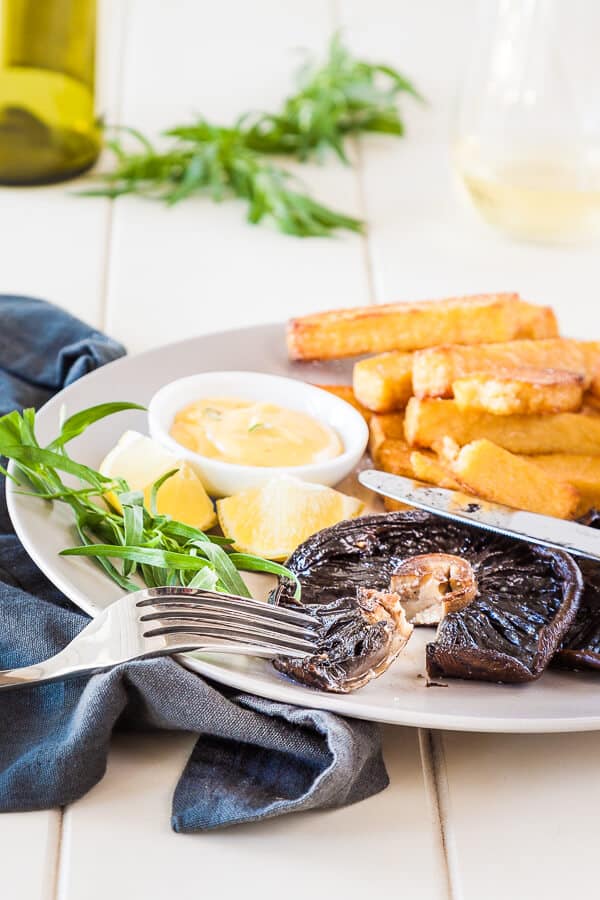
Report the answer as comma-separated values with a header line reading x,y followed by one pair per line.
x,y
27,675
57,668
14,678
84,655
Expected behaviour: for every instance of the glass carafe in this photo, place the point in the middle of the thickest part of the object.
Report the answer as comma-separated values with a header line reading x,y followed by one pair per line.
x,y
527,137
48,130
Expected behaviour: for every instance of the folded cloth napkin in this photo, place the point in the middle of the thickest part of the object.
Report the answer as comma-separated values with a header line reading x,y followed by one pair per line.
x,y
254,758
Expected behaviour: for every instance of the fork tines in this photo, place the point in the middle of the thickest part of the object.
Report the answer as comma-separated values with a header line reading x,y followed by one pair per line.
x,y
164,596
210,613
227,617
248,635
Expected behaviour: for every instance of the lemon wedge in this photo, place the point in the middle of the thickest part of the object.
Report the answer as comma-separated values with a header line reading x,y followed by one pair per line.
x,y
140,461
271,521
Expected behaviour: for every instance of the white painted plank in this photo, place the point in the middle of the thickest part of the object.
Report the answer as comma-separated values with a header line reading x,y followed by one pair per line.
x,y
199,267
425,241
520,814
50,248
28,854
52,244
118,843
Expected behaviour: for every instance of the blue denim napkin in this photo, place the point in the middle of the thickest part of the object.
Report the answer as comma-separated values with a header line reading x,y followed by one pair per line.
x,y
253,759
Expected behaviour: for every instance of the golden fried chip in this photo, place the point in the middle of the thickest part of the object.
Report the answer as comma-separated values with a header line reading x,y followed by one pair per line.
x,y
591,353
382,428
583,472
436,369
536,322
394,456
430,420
383,383
410,326
427,467
494,473
591,404
395,505
519,391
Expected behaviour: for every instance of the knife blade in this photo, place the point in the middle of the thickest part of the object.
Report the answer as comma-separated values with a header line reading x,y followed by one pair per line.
x,y
575,538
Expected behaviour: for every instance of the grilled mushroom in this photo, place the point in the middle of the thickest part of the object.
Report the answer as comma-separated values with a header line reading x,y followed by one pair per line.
x,y
431,585
526,597
581,646
362,638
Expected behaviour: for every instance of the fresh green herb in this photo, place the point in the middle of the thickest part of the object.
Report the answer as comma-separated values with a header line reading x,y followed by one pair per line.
x,y
256,426
218,163
154,548
156,487
248,563
76,424
341,97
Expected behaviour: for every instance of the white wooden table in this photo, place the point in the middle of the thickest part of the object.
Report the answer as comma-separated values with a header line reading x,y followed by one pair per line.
x,y
467,817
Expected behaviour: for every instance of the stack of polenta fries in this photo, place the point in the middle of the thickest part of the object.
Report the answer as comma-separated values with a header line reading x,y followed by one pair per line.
x,y
479,394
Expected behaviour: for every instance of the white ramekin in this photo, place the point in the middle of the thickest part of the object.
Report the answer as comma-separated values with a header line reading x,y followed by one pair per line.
x,y
222,479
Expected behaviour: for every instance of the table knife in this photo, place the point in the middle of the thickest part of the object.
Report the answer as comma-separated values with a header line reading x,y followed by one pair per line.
x,y
575,538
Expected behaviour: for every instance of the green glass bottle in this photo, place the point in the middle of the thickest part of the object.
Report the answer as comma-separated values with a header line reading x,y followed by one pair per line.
x,y
48,129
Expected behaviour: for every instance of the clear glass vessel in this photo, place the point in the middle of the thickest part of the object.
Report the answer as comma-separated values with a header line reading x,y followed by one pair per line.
x,y
527,136
48,130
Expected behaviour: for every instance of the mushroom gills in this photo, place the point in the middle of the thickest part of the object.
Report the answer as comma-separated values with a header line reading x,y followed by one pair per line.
x,y
431,585
581,646
512,629
362,636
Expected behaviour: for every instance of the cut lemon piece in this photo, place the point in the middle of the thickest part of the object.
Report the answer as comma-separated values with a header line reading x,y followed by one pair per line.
x,y
141,461
272,520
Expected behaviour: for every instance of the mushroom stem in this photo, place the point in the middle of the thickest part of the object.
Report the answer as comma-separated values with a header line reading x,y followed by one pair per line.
x,y
431,585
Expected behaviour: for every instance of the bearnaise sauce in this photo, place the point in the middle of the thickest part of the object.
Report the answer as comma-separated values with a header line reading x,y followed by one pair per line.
x,y
254,433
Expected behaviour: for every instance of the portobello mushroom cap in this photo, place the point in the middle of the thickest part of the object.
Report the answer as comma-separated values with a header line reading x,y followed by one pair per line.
x,y
363,636
581,646
527,598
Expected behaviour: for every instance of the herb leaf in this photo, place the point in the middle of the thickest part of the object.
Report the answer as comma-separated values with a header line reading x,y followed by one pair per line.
x,y
341,97
207,579
225,568
150,556
28,457
133,524
248,563
76,424
156,487
216,162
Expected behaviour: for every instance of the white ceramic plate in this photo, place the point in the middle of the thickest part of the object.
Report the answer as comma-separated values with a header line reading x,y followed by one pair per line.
x,y
559,701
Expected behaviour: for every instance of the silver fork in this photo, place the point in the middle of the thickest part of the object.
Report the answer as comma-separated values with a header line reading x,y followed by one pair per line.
x,y
162,621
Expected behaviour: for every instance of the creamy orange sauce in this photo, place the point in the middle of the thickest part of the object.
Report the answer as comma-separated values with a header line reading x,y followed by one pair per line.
x,y
254,433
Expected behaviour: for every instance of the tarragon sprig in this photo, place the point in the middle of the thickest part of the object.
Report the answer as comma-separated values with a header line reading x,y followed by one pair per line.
x,y
341,97
216,162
